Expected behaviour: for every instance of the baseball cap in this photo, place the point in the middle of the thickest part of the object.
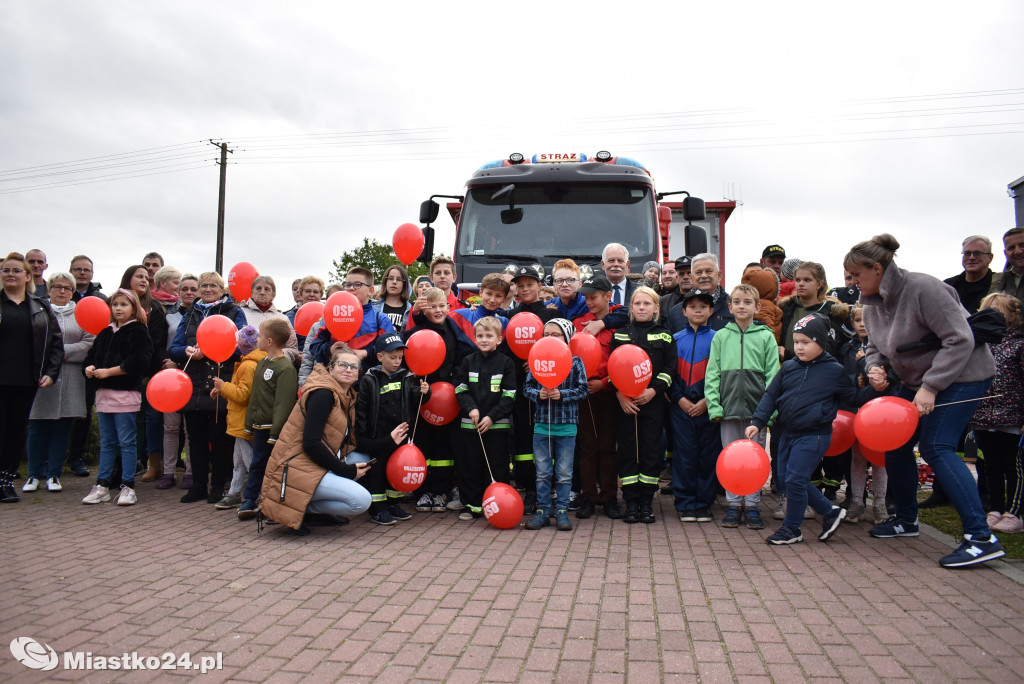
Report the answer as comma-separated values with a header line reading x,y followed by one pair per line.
x,y
773,250
597,283
391,343
683,262
526,272
702,295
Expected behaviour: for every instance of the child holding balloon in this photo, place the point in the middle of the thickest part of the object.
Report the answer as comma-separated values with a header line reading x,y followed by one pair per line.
x,y
641,423
806,392
485,384
554,430
117,362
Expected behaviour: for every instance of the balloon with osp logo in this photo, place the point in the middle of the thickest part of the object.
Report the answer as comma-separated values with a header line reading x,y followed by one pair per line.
x,y
842,434
240,279
92,314
308,314
588,348
425,352
408,242
343,315
523,331
550,362
215,337
502,505
630,370
885,423
743,467
442,407
169,390
407,468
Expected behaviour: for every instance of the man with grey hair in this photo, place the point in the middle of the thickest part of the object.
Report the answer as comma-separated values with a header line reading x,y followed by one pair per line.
x,y
706,275
973,284
1011,280
615,262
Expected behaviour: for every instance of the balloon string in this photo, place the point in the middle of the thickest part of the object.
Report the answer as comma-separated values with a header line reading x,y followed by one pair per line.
x,y
551,456
487,460
965,401
416,422
216,399
187,361
636,435
592,423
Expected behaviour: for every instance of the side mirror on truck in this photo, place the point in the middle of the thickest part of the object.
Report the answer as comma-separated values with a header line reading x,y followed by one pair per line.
x,y
428,211
696,239
693,210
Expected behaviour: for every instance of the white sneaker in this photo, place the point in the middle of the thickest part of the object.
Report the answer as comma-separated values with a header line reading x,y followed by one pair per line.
x,y
31,485
424,504
127,496
53,484
809,513
455,502
99,494
780,509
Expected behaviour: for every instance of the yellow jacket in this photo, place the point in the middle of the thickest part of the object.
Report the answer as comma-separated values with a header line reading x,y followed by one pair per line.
x,y
238,390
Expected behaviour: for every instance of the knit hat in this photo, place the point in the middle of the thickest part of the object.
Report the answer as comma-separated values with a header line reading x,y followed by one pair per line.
x,y
814,326
248,338
565,325
651,264
789,267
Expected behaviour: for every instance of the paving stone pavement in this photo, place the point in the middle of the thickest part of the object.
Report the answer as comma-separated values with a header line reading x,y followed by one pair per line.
x,y
435,599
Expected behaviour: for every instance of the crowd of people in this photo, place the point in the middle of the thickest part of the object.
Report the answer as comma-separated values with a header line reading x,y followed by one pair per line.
x,y
298,429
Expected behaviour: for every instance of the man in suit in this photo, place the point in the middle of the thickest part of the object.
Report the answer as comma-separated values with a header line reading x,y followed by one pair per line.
x,y
615,262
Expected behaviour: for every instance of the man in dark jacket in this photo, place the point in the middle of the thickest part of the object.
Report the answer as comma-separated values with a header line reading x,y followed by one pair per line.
x,y
81,269
973,284
706,276
1011,280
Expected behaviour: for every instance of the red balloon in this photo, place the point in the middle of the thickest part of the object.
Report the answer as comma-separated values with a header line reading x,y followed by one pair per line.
x,y
842,434
169,390
240,279
885,423
308,314
743,467
215,336
523,331
874,457
407,468
587,347
503,507
442,407
629,369
408,242
550,362
93,314
425,352
343,315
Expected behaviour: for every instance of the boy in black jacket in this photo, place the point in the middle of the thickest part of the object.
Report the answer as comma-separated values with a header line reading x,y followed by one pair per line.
x,y
806,392
486,388
386,404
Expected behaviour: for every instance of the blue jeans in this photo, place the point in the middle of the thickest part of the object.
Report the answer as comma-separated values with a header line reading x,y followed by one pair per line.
x,y
337,495
47,444
696,445
117,430
154,431
563,448
798,457
937,435
261,450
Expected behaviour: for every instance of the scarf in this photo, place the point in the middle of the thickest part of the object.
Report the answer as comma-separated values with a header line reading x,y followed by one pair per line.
x,y
165,297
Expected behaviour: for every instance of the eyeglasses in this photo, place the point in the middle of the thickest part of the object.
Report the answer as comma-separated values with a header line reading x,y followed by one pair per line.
x,y
974,254
60,287
210,286
555,334
566,281
354,285
81,269
345,366
12,271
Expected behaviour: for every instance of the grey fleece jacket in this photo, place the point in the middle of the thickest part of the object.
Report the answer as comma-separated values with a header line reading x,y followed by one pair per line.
x,y
907,307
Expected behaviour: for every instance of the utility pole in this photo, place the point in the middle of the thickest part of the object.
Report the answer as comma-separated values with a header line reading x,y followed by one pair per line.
x,y
219,266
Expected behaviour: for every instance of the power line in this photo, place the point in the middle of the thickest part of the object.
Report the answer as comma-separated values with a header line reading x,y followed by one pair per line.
x,y
150,150
100,179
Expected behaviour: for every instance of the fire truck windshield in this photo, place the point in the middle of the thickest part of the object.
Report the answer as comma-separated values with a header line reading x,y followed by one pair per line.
x,y
559,220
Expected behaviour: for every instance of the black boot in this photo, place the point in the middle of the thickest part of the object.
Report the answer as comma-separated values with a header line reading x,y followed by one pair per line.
x,y
632,511
646,511
938,497
7,492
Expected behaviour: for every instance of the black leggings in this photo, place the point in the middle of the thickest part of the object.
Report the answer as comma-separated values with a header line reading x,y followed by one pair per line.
x,y
15,405
1002,470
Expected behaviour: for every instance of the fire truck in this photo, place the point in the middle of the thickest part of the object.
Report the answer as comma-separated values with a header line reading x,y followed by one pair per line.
x,y
534,211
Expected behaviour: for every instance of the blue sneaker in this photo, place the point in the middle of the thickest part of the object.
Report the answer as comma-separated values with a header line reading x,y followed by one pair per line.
x,y
398,513
894,527
972,552
382,518
784,535
732,518
562,521
754,521
830,522
539,520
248,510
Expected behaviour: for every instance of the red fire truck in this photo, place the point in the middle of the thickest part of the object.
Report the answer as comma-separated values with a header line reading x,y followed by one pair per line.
x,y
533,211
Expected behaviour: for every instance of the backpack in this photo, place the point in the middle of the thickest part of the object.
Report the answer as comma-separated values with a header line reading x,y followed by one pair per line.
x,y
987,326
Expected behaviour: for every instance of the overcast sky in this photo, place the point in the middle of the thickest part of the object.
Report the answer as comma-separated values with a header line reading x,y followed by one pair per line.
x,y
831,123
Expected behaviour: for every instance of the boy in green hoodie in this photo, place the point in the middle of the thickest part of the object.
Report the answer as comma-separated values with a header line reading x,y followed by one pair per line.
x,y
744,359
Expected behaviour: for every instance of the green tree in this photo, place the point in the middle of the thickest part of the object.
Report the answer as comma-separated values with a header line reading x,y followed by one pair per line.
x,y
374,256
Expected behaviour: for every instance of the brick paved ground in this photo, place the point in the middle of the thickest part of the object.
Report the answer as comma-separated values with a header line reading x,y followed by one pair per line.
x,y
435,599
